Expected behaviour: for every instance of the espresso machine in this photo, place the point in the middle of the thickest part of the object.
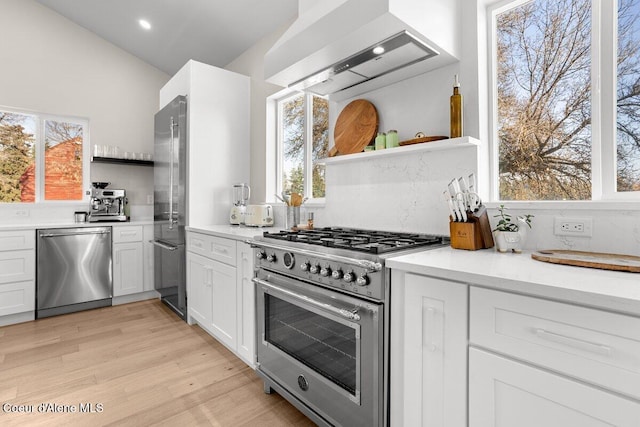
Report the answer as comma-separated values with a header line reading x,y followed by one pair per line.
x,y
107,204
241,194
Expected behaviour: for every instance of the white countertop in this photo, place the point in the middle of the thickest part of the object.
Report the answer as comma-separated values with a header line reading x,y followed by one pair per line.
x,y
71,224
611,290
237,232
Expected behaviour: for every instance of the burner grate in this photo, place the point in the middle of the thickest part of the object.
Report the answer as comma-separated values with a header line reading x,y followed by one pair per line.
x,y
369,241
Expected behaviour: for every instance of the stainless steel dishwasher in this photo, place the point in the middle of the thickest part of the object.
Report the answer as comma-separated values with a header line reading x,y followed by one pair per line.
x,y
73,270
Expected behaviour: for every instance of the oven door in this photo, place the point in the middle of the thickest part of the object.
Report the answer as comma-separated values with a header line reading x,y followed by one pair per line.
x,y
323,347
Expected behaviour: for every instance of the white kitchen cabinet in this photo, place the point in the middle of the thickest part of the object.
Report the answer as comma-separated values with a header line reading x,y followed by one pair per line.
x,y
199,292
128,264
17,276
220,294
246,306
504,392
535,362
428,351
223,310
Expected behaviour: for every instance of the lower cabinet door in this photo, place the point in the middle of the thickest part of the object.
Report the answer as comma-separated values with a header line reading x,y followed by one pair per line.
x,y
223,311
199,279
246,305
503,392
428,352
17,297
127,268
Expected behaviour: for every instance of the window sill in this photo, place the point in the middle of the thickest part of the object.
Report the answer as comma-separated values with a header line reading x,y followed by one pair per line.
x,y
445,144
578,205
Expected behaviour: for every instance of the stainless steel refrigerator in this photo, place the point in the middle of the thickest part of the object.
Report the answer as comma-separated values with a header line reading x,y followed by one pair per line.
x,y
169,212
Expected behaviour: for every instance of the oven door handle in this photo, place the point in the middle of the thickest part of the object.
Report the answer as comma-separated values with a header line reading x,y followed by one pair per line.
x,y
351,315
370,266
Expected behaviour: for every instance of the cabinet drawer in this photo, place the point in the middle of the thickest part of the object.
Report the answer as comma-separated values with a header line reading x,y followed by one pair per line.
x,y
17,240
17,297
17,266
127,234
217,248
596,346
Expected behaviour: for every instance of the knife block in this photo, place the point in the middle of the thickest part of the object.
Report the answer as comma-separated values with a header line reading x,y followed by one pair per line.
x,y
474,234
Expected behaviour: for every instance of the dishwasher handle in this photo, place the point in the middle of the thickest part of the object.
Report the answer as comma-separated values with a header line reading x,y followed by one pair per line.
x,y
75,233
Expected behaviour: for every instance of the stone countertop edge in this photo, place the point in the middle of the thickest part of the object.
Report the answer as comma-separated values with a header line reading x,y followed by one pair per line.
x,y
236,232
38,226
604,289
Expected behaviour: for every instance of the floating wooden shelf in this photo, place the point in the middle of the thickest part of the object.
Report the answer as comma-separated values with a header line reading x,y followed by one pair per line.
x,y
121,161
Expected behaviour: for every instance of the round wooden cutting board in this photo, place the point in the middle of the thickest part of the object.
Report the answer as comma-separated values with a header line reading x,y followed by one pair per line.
x,y
356,127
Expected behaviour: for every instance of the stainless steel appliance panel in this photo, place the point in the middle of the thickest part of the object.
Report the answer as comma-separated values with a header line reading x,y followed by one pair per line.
x,y
170,275
170,204
325,348
73,270
170,156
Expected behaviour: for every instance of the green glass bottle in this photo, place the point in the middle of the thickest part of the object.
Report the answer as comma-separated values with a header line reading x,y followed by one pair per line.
x,y
456,110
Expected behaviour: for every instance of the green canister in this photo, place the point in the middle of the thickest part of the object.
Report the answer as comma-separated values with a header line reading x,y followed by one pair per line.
x,y
381,141
392,139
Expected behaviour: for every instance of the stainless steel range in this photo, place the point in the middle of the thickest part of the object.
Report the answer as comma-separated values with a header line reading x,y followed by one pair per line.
x,y
323,322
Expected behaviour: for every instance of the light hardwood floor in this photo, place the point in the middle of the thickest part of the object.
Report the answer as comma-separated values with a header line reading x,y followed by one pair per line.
x,y
141,363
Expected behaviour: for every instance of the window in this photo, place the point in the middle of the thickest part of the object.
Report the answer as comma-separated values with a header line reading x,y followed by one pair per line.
x,y
42,158
303,139
556,136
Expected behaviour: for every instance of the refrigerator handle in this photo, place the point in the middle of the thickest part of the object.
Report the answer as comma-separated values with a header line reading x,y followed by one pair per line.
x,y
173,125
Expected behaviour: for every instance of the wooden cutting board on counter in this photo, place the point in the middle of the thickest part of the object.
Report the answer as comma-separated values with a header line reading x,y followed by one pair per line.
x,y
356,127
602,261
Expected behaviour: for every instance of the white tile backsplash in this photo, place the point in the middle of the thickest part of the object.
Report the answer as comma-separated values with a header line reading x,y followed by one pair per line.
x,y
396,193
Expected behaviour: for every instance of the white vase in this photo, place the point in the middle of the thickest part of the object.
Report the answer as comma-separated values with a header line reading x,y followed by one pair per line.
x,y
509,240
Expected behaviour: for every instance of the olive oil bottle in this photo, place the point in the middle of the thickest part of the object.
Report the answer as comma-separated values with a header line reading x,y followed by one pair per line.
x,y
456,110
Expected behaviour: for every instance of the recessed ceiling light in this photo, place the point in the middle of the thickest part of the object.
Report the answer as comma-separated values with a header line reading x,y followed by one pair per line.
x,y
144,24
378,50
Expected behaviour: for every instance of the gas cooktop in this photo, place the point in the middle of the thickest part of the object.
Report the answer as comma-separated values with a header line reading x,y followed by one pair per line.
x,y
369,241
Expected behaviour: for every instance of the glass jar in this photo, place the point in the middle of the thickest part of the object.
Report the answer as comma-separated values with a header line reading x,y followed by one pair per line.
x,y
380,141
392,139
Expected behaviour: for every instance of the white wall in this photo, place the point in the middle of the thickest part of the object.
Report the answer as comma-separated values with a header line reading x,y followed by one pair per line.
x,y
52,65
251,63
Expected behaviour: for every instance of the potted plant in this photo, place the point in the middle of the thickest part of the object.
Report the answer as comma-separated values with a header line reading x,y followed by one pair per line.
x,y
510,235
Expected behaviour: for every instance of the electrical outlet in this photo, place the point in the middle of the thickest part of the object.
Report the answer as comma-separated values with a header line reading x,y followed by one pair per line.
x,y
579,227
22,213
149,199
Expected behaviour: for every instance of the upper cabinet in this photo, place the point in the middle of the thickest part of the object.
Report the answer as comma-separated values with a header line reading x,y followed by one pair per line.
x,y
344,48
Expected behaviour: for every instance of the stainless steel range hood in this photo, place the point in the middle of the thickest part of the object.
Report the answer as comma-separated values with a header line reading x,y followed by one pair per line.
x,y
398,51
329,49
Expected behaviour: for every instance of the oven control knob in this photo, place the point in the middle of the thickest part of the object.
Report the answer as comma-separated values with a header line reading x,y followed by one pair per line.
x,y
337,274
261,255
348,277
315,269
305,266
363,280
271,257
288,260
325,271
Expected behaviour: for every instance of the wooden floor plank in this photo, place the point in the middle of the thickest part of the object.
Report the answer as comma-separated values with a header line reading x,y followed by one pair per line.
x,y
141,363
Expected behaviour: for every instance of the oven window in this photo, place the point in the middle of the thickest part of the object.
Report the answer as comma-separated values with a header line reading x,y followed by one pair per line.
x,y
324,345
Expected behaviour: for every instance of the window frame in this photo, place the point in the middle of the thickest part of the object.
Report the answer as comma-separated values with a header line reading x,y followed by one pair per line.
x,y
603,107
278,100
40,119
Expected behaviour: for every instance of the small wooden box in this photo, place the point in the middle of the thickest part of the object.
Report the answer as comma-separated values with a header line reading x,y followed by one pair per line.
x,y
465,235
